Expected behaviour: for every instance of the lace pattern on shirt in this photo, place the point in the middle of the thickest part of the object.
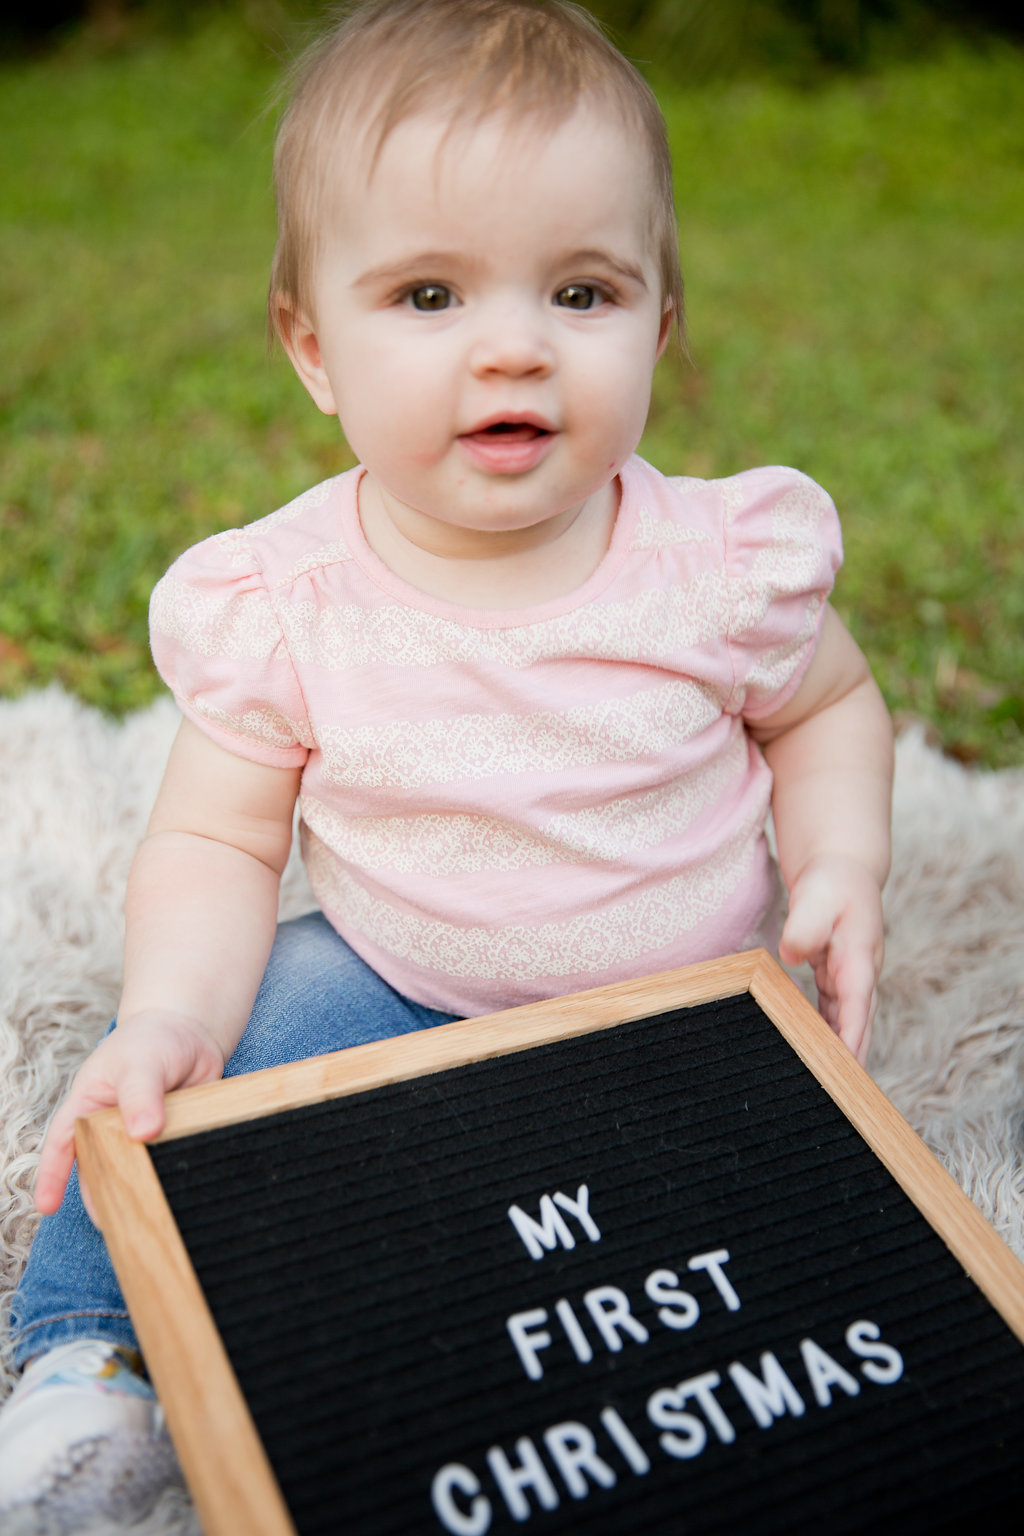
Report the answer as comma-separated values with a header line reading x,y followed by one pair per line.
x,y
409,754
464,844
654,626
587,943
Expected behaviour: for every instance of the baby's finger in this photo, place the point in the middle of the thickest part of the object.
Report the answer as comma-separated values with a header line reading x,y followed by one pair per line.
x,y
855,992
55,1163
141,1098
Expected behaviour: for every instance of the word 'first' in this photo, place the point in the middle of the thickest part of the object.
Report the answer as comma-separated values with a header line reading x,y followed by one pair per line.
x,y
608,1308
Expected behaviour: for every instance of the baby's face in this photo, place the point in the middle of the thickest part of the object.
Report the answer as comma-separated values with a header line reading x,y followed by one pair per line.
x,y
488,318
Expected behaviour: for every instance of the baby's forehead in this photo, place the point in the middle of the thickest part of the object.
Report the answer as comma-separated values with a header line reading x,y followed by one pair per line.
x,y
362,139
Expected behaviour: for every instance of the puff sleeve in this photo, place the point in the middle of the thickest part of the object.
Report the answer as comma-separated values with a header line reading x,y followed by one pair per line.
x,y
783,547
218,645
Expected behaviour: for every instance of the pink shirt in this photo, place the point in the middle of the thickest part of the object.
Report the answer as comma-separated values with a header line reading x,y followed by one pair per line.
x,y
504,806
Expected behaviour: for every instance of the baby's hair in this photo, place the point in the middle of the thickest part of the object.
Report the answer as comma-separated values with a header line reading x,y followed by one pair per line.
x,y
387,60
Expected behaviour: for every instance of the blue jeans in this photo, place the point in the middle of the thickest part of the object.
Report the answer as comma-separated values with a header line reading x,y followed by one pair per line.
x,y
316,996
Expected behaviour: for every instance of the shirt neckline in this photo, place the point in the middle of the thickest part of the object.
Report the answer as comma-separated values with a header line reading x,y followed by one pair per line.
x,y
493,618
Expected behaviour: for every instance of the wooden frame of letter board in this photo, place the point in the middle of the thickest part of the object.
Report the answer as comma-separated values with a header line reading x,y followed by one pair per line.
x,y
224,1461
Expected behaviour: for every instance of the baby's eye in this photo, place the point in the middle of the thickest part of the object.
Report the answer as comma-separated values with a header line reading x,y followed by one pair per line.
x,y
430,297
578,296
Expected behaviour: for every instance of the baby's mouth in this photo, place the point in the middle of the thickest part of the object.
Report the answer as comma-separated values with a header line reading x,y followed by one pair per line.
x,y
510,432
507,447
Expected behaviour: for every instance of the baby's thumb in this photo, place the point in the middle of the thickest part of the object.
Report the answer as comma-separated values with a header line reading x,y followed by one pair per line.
x,y
806,931
141,1100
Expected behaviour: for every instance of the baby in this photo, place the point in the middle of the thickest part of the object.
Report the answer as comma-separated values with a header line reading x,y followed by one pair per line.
x,y
534,698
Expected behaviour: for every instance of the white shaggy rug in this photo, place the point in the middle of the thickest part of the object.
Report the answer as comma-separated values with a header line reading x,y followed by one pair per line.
x,y
75,792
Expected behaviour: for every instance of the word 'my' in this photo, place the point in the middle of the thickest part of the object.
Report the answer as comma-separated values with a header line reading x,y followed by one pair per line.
x,y
552,1229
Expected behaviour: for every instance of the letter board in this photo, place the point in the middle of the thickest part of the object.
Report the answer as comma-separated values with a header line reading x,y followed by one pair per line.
x,y
656,1258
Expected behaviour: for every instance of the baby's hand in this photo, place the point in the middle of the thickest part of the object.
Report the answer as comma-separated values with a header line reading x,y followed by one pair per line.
x,y
134,1066
835,926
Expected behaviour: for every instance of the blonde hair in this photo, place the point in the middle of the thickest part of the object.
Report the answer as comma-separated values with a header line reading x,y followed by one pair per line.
x,y
388,60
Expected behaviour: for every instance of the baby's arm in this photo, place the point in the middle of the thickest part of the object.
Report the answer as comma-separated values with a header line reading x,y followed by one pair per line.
x,y
201,914
830,750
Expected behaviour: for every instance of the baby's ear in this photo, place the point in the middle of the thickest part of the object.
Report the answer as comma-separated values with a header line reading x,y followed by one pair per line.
x,y
298,337
667,321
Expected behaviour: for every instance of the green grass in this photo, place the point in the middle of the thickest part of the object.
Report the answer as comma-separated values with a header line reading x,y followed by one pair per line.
x,y
853,260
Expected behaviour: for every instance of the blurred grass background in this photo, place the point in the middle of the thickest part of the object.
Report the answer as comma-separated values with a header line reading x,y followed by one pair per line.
x,y
850,183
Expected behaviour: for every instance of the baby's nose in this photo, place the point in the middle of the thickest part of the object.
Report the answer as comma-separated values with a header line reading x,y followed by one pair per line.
x,y
512,339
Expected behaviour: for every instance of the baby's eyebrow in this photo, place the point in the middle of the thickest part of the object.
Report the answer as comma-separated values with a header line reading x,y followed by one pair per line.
x,y
599,258
422,264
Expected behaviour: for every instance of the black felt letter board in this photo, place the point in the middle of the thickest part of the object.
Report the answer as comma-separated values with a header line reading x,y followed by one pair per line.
x,y
765,1335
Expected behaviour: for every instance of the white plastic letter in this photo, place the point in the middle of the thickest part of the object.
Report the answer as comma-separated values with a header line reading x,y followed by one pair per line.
x,y
679,1309
663,1410
475,1521
882,1363
824,1373
574,1331
527,1344
573,1450
713,1262
618,1430
541,1236
769,1395
580,1208
609,1307
530,1473
703,1389
684,1434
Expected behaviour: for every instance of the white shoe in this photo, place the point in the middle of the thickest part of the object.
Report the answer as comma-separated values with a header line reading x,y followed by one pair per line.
x,y
83,1439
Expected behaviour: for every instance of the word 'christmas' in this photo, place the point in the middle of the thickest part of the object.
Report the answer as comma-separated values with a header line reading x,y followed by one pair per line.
x,y
688,1415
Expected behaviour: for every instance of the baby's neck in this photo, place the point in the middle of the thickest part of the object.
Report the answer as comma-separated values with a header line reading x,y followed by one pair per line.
x,y
494,571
